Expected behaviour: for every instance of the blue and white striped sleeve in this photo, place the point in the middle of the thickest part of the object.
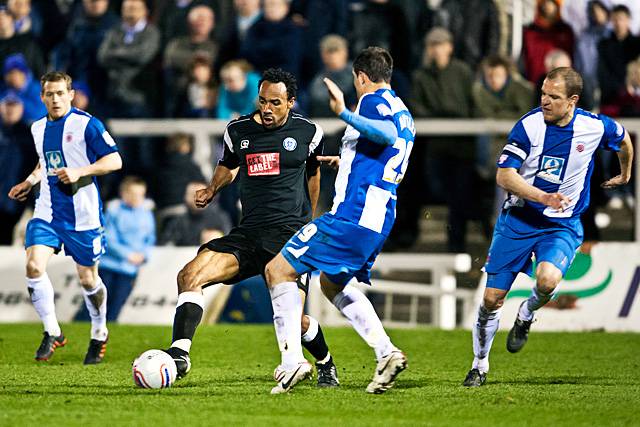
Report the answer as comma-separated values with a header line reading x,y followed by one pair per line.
x,y
374,120
517,149
98,139
613,133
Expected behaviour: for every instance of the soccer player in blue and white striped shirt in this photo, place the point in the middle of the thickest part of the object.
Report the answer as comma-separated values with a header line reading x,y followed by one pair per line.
x,y
73,148
546,167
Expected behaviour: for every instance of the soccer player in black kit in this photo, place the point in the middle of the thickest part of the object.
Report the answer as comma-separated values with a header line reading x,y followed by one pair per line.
x,y
273,153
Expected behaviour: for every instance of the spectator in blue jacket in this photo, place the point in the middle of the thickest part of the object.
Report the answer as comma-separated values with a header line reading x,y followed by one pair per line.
x,y
130,236
238,91
19,79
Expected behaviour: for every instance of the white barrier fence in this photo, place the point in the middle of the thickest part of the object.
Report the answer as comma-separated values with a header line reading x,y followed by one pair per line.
x,y
153,298
600,292
203,130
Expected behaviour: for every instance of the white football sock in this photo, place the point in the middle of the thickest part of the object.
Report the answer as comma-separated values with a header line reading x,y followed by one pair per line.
x,y
357,308
484,330
535,302
312,330
42,297
287,311
96,301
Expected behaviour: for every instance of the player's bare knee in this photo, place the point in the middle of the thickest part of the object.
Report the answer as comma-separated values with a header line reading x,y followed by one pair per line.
x,y
547,279
188,280
34,269
493,302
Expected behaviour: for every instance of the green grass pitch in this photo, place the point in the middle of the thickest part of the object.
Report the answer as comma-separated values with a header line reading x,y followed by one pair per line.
x,y
589,379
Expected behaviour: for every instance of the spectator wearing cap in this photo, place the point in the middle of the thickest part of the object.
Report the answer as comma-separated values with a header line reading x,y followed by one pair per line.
x,y
18,78
17,158
443,88
12,42
238,91
336,66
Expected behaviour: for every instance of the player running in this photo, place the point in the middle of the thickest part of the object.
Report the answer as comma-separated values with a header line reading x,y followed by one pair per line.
x,y
546,168
73,148
273,150
344,243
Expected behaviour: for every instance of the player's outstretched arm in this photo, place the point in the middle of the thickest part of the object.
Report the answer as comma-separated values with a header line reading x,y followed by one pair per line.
x,y
21,191
625,157
514,183
222,176
109,163
381,132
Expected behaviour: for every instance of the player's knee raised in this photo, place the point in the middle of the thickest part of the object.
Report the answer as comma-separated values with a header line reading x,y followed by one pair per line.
x,y
34,269
187,279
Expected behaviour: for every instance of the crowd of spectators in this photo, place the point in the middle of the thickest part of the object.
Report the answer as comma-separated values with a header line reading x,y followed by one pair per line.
x,y
203,59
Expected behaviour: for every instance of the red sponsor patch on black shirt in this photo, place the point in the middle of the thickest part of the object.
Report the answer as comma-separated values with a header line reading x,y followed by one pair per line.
x,y
263,164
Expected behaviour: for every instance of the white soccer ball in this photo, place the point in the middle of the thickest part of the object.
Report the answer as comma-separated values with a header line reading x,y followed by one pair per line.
x,y
154,369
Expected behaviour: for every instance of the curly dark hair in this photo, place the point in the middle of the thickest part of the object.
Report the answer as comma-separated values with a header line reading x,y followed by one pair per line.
x,y
278,75
376,63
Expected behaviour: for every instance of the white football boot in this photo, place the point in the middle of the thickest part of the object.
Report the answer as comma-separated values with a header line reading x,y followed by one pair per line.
x,y
287,379
386,372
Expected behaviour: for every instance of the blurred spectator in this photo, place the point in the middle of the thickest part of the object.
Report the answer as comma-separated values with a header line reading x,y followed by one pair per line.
x,y
586,56
173,17
381,23
180,51
627,102
247,12
130,235
614,53
175,170
11,42
317,18
196,226
19,79
554,59
500,93
475,28
274,40
78,53
546,33
125,52
25,18
443,88
200,94
17,159
335,58
238,91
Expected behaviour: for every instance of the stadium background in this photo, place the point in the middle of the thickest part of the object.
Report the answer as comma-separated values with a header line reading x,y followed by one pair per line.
x,y
166,89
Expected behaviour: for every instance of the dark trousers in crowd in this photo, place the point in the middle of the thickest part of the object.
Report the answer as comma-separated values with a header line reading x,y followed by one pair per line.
x,y
8,222
119,288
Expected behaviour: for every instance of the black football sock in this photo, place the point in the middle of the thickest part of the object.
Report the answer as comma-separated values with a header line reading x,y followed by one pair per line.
x,y
313,340
188,316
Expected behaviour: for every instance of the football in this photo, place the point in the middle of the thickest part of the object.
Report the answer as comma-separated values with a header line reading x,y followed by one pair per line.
x,y
154,369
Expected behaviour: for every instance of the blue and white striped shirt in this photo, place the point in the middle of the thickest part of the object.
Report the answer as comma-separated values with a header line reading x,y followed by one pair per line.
x,y
558,158
75,140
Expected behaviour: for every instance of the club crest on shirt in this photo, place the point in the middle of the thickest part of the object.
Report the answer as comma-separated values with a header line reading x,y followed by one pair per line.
x,y
54,161
551,169
244,144
289,144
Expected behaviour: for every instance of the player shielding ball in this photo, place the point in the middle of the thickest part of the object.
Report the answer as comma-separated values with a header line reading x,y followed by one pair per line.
x,y
73,148
546,168
344,243
272,152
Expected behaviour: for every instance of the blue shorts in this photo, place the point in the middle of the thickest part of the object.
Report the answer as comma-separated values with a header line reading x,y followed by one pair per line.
x,y
341,250
85,247
515,239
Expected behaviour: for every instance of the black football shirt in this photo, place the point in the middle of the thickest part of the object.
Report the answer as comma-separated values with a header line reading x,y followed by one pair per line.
x,y
273,168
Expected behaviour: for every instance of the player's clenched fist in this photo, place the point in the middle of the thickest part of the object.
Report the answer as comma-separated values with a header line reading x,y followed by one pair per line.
x,y
204,197
20,191
67,175
557,201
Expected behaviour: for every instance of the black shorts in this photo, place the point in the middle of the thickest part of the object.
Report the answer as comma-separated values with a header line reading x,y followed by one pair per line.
x,y
254,248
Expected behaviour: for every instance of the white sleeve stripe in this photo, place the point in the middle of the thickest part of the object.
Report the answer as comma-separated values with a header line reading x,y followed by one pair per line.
x,y
384,110
515,150
227,140
108,139
317,137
